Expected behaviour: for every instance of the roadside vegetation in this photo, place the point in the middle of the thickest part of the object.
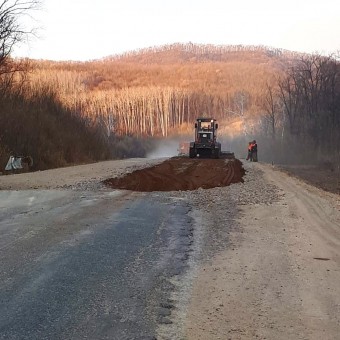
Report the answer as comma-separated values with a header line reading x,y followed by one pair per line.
x,y
301,111
34,121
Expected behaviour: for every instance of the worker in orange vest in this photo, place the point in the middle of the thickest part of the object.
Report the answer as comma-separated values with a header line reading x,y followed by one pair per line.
x,y
249,156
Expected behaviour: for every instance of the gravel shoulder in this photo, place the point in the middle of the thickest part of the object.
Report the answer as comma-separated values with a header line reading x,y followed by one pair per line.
x,y
324,176
80,177
277,275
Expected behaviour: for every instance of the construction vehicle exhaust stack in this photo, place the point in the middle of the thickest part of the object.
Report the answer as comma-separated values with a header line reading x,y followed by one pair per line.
x,y
205,144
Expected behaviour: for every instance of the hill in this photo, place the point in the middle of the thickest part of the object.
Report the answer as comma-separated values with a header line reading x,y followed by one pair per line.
x,y
155,90
193,53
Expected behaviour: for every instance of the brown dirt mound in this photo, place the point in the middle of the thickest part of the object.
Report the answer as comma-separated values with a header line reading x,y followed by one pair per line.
x,y
181,173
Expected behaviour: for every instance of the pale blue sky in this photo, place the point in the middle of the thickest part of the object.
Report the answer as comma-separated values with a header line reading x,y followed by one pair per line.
x,y
85,30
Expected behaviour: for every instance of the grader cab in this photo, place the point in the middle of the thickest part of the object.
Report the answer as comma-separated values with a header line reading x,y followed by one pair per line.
x,y
205,144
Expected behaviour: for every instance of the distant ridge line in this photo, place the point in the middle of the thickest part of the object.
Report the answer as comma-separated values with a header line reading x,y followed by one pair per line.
x,y
207,49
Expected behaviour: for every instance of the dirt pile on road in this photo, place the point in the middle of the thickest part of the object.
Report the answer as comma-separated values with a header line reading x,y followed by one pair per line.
x,y
181,173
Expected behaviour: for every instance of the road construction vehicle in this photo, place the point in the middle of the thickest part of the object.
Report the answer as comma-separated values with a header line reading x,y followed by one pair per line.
x,y
205,144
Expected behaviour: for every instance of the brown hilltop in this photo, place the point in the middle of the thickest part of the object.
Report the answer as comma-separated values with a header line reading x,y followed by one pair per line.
x,y
197,66
198,53
208,68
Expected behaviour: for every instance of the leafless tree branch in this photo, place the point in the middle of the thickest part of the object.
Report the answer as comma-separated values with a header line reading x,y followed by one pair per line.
x,y
12,29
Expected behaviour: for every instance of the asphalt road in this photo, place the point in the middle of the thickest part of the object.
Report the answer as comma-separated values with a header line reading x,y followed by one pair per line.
x,y
89,265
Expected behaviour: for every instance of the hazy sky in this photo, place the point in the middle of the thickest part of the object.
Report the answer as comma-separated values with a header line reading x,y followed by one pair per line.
x,y
84,29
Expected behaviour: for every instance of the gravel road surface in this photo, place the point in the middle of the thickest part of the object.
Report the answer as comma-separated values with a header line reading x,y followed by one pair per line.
x,y
254,260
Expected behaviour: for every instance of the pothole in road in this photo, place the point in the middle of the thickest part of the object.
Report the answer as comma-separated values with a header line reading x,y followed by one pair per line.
x,y
181,173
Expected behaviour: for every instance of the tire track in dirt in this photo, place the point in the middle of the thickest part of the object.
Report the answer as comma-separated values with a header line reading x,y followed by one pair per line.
x,y
181,173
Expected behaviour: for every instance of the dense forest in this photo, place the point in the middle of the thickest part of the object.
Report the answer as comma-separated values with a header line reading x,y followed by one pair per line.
x,y
71,112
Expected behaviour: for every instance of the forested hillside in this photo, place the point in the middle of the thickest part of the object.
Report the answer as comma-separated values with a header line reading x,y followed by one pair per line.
x,y
285,99
154,91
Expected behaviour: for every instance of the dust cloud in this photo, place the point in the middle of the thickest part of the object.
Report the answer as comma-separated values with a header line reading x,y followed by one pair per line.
x,y
166,148
280,151
237,145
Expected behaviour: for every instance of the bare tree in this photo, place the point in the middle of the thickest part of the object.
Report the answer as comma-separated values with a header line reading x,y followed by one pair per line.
x,y
12,29
310,93
240,106
272,107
